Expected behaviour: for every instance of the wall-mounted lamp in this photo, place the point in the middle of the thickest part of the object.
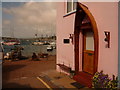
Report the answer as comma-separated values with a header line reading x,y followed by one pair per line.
x,y
71,37
107,38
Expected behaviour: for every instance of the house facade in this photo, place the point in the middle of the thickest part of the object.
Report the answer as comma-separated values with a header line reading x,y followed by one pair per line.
x,y
87,39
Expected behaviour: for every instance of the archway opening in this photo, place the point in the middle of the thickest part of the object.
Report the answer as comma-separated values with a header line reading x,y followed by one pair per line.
x,y
86,29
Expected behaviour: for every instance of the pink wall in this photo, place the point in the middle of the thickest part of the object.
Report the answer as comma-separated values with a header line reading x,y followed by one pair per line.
x,y
65,26
106,17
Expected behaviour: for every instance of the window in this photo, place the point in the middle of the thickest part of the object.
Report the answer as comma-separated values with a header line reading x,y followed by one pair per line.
x,y
71,5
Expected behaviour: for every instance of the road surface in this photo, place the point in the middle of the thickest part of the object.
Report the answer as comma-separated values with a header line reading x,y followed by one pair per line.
x,y
25,73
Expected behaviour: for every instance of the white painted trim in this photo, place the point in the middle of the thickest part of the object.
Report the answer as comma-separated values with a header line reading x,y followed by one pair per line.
x,y
66,13
70,12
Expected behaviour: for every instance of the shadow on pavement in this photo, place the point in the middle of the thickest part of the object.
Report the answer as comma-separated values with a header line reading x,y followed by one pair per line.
x,y
16,86
8,68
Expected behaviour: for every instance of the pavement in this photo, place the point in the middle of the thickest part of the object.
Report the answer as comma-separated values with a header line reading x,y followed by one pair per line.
x,y
24,73
36,75
61,80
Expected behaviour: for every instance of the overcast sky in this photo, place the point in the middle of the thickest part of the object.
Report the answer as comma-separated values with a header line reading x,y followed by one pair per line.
x,y
23,20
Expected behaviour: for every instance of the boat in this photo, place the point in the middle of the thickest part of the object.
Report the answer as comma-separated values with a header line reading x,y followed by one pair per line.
x,y
46,43
15,53
54,47
37,43
49,48
11,42
53,44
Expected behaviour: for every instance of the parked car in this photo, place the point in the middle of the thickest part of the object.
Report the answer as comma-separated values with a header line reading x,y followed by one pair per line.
x,y
1,53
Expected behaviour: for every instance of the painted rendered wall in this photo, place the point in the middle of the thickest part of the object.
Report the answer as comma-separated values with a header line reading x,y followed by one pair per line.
x,y
65,26
106,17
119,43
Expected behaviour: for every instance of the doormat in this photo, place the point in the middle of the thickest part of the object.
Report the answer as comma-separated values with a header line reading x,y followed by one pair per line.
x,y
77,85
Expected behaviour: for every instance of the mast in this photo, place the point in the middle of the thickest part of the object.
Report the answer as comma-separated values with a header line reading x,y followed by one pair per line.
x,y
12,31
36,32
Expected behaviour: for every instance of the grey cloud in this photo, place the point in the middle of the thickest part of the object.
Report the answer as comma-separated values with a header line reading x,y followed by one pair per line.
x,y
30,17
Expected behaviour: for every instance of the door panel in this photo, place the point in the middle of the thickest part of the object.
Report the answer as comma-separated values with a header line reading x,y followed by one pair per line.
x,y
88,51
88,62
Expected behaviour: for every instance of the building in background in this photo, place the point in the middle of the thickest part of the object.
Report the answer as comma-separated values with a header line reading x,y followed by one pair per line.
x,y
87,39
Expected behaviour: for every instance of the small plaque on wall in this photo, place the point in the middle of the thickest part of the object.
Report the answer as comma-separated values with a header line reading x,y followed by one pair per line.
x,y
66,41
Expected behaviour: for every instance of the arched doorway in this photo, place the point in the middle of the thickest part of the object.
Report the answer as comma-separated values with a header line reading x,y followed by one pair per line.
x,y
86,25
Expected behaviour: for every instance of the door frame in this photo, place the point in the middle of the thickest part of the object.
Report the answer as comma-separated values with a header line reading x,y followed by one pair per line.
x,y
76,35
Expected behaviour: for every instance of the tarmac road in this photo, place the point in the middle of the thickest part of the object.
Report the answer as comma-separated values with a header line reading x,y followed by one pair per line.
x,y
24,73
